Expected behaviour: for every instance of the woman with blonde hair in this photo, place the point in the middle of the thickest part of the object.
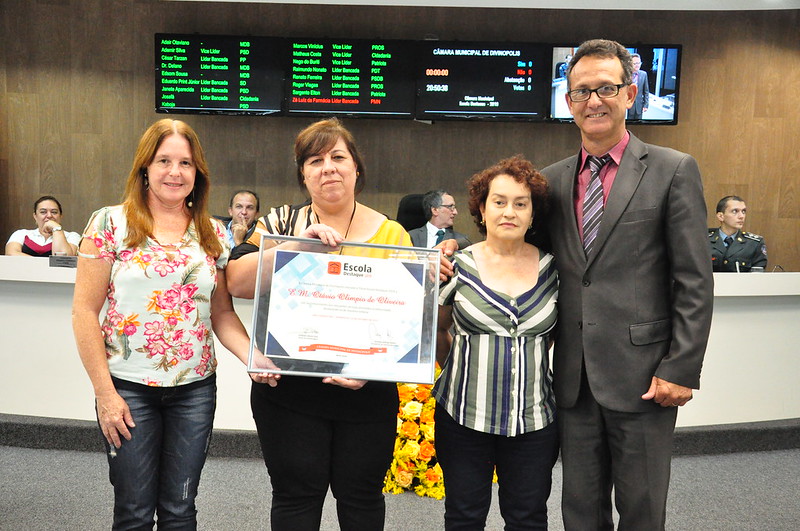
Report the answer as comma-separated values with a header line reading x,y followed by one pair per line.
x,y
157,261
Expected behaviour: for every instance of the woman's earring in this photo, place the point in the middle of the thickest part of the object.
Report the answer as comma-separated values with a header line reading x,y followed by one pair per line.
x,y
190,204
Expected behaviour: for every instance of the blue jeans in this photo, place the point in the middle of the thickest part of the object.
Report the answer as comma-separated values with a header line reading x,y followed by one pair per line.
x,y
524,466
158,470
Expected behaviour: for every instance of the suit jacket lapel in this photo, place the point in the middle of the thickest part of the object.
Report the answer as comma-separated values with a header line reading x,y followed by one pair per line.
x,y
566,197
629,174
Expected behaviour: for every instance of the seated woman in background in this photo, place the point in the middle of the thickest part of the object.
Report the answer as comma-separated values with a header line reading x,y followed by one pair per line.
x,y
495,407
49,238
335,432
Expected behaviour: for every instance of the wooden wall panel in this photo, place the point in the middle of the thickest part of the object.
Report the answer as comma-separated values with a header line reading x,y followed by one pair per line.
x,y
76,89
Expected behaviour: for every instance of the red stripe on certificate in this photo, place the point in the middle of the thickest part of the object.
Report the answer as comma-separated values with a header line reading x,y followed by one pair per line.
x,y
338,348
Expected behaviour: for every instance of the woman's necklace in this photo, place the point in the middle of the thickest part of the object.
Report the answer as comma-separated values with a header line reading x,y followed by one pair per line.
x,y
349,223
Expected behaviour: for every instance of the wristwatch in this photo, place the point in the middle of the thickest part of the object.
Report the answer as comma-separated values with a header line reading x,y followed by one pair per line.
x,y
56,229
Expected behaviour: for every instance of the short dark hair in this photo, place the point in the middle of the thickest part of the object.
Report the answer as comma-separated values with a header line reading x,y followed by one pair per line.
x,y
321,136
431,200
521,170
47,198
607,49
723,203
244,191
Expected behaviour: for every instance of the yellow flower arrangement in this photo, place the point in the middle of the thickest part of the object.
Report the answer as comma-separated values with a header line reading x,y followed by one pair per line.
x,y
414,465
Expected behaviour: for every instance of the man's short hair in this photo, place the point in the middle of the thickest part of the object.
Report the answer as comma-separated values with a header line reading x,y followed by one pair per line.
x,y
258,201
723,203
431,200
606,49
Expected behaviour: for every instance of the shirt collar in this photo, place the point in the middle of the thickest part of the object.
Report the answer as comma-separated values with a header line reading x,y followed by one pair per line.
x,y
616,152
432,229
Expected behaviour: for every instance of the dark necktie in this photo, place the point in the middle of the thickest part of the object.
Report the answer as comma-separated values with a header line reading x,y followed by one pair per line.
x,y
439,236
728,241
593,202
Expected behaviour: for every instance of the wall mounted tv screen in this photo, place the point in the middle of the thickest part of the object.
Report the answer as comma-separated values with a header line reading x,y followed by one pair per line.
x,y
658,78
482,81
350,77
218,74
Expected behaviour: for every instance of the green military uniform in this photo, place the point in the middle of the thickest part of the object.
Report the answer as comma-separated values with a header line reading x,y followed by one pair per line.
x,y
746,249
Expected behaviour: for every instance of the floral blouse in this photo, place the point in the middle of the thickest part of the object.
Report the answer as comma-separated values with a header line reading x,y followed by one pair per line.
x,y
157,326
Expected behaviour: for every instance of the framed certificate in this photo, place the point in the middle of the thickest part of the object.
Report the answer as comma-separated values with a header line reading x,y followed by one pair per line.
x,y
359,310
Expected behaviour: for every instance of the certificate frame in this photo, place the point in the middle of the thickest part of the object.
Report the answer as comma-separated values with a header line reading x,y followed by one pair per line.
x,y
358,310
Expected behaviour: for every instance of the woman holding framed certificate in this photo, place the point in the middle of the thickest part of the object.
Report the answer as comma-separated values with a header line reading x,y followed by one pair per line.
x,y
495,406
332,432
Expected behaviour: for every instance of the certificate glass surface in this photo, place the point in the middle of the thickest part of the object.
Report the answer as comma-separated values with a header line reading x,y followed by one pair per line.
x,y
362,311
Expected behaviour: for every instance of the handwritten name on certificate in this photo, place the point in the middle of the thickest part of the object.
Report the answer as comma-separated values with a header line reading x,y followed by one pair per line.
x,y
363,312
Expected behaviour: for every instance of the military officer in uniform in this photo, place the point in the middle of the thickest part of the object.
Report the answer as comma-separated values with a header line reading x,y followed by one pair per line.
x,y
732,249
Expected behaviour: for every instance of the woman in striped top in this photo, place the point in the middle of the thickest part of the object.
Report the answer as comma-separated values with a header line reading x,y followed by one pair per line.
x,y
495,405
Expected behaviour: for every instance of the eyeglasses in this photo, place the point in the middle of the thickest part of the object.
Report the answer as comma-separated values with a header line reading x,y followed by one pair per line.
x,y
451,206
606,91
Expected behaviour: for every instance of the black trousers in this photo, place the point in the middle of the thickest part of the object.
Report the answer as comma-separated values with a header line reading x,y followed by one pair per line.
x,y
306,454
524,474
630,452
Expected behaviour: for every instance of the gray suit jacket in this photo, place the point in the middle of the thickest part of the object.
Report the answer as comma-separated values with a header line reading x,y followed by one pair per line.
x,y
640,305
419,237
642,96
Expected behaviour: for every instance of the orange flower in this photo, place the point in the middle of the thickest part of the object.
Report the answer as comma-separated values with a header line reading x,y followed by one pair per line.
x,y
426,450
405,392
410,429
432,475
422,393
426,416
130,320
152,302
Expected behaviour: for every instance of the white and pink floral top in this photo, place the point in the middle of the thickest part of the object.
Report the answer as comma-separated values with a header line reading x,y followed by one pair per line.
x,y
157,326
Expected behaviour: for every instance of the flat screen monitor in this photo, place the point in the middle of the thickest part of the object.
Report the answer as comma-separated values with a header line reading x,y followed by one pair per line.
x,y
218,74
482,81
658,79
351,77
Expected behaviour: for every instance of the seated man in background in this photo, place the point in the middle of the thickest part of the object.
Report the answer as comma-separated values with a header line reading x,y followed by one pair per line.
x,y
732,249
441,210
243,212
48,237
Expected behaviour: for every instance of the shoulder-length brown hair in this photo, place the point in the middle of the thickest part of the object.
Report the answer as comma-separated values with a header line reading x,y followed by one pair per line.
x,y
320,137
137,211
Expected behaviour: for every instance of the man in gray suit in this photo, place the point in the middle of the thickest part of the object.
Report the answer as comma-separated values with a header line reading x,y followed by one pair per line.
x,y
639,78
627,227
441,209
